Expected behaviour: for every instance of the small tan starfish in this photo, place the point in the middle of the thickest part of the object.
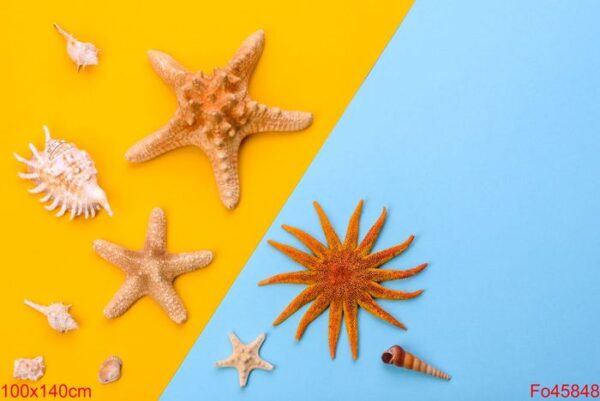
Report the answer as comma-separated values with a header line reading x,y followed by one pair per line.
x,y
216,113
245,357
150,271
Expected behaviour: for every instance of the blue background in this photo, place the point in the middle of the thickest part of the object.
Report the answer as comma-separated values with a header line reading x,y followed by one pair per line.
x,y
479,129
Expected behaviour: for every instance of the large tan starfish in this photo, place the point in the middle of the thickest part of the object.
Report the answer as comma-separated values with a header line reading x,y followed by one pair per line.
x,y
150,271
245,357
216,113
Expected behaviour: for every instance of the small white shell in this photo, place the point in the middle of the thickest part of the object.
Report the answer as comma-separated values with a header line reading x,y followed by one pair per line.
x,y
81,53
57,314
67,176
110,370
29,369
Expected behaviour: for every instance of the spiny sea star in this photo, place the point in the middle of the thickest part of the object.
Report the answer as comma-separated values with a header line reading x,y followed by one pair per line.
x,y
216,114
342,276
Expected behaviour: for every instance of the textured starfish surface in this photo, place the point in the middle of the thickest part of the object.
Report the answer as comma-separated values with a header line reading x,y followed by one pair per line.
x,y
245,357
216,113
342,276
150,271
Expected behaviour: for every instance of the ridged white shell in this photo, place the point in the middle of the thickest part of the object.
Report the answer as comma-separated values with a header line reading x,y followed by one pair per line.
x,y
67,176
110,370
81,53
58,315
29,369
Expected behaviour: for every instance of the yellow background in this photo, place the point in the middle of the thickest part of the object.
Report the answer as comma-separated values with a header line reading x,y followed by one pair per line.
x,y
316,55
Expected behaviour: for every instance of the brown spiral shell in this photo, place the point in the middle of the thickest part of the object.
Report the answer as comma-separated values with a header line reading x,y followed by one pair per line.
x,y
397,356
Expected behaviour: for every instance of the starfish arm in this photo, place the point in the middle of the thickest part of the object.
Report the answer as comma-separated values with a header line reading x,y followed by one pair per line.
x,y
226,363
351,239
255,345
367,243
379,258
126,296
335,324
156,234
351,319
224,163
366,302
264,365
380,275
317,307
243,372
311,243
185,262
379,291
307,295
125,259
176,134
235,341
244,61
306,260
301,277
166,296
332,238
273,119
167,68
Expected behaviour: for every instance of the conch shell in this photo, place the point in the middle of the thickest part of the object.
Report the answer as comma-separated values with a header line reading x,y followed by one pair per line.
x,y
110,370
397,356
29,369
57,314
67,175
81,53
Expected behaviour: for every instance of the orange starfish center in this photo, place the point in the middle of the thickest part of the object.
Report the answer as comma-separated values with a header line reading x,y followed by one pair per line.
x,y
342,272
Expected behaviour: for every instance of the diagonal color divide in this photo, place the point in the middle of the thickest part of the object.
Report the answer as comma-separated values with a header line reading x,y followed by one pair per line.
x,y
478,129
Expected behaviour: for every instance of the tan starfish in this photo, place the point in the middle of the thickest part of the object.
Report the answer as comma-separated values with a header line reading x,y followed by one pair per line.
x,y
150,271
216,113
245,357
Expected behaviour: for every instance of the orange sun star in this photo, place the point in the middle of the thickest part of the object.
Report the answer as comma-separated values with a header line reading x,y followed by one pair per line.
x,y
342,276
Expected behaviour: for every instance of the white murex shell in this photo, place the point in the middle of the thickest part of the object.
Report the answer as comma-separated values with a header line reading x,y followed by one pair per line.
x,y
58,315
29,369
110,370
81,53
67,176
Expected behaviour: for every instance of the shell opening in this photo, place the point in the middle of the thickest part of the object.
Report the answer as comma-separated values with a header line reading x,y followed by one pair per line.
x,y
386,357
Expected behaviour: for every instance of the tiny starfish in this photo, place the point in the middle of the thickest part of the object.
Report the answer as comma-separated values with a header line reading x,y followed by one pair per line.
x,y
150,271
216,113
342,276
245,357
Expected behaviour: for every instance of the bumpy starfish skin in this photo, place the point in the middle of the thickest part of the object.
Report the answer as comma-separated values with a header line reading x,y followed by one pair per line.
x,y
245,357
216,113
150,271
342,276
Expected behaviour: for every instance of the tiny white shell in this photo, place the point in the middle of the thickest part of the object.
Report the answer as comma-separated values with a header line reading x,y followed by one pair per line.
x,y
67,176
57,314
110,370
82,53
29,369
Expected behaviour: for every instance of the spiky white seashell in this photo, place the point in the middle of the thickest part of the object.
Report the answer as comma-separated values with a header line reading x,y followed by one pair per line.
x,y
67,176
58,315
82,53
110,370
29,369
